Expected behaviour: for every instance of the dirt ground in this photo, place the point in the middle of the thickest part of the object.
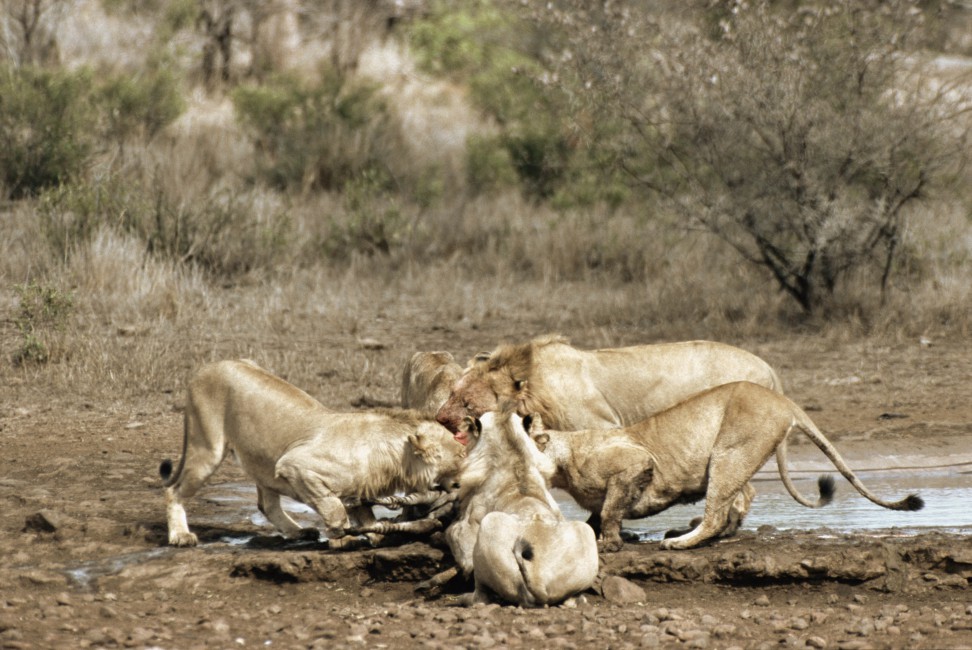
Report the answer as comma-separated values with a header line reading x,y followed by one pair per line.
x,y
85,562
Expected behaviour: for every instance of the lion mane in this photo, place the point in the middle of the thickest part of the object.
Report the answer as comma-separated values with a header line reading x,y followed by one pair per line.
x,y
510,372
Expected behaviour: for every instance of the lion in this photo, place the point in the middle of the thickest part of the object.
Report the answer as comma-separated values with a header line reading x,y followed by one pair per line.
x,y
643,469
510,534
291,445
427,380
575,389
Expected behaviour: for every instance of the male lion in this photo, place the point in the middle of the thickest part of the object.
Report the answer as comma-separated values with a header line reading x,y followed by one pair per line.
x,y
510,533
575,389
291,445
644,468
427,380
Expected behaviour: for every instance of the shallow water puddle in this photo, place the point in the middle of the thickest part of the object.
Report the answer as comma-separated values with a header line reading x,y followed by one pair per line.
x,y
947,493
87,572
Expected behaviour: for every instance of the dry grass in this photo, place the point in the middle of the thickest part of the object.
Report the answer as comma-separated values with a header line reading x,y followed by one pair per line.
x,y
469,271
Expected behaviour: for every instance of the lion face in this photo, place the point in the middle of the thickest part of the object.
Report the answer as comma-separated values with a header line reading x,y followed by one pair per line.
x,y
472,396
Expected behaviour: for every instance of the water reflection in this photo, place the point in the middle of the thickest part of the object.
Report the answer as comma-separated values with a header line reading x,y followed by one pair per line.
x,y
947,494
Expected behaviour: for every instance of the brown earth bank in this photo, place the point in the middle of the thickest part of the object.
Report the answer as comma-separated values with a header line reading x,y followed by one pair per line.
x,y
85,562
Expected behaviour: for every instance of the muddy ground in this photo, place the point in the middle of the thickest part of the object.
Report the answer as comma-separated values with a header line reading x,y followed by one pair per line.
x,y
85,562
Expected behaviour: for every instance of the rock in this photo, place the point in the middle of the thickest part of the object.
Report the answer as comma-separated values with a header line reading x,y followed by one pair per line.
x,y
622,591
46,521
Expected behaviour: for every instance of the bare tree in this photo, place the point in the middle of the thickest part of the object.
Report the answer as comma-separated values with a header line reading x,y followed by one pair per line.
x,y
28,30
216,21
798,137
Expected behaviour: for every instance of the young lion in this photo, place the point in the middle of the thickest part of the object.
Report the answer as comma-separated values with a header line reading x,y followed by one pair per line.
x,y
291,445
707,446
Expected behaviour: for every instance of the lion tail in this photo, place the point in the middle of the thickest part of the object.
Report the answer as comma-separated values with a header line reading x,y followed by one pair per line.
x,y
530,591
910,502
825,484
165,467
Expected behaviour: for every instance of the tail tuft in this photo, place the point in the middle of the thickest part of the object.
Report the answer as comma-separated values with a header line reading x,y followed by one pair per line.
x,y
526,551
827,488
910,502
165,469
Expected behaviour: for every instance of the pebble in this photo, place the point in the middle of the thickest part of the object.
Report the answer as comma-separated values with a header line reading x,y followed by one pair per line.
x,y
622,591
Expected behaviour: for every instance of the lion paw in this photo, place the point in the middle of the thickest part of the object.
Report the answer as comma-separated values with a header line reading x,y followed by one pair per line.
x,y
183,539
609,545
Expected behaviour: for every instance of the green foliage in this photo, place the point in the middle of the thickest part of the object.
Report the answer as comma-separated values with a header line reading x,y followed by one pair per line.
x,y
316,136
143,104
488,164
46,126
374,223
498,56
43,311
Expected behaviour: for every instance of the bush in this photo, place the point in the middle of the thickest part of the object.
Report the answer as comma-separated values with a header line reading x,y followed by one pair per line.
x,y
316,136
141,105
42,313
374,223
498,57
47,121
799,138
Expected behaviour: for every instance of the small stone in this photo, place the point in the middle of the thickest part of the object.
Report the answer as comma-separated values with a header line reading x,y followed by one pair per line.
x,y
45,521
816,642
622,591
762,601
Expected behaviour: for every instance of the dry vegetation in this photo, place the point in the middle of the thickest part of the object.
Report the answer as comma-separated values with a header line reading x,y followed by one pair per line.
x,y
185,236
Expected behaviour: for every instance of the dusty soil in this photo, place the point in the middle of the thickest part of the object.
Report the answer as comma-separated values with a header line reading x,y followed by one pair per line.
x,y
85,562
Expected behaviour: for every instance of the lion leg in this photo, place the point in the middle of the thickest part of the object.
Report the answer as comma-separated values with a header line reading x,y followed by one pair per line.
x,y
739,510
268,501
310,488
196,468
623,491
725,485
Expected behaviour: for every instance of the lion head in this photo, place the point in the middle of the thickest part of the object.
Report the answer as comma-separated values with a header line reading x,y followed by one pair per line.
x,y
506,375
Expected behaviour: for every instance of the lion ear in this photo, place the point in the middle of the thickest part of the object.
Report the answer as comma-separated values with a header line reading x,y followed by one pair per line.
x,y
424,447
480,357
541,440
472,426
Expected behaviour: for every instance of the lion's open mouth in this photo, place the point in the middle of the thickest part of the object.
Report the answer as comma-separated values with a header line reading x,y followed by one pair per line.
x,y
461,437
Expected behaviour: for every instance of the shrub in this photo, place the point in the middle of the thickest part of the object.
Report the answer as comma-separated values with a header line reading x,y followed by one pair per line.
x,y
46,126
316,136
43,311
141,105
374,223
797,138
498,56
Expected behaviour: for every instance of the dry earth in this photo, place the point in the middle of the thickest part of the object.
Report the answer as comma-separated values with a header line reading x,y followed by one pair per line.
x,y
85,562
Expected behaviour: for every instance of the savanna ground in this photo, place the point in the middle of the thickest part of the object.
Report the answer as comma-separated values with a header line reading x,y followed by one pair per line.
x,y
329,226
86,564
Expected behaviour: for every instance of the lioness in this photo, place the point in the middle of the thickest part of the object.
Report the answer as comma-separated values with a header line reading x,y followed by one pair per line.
x,y
291,445
510,533
575,389
427,380
707,446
